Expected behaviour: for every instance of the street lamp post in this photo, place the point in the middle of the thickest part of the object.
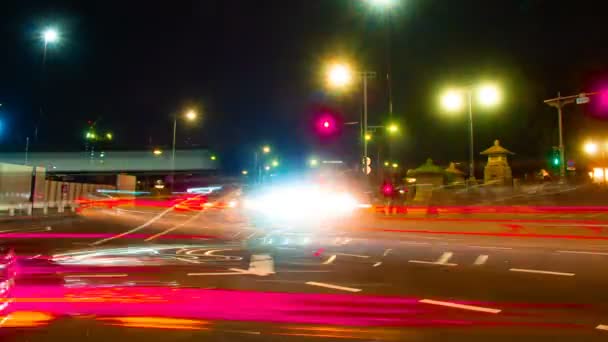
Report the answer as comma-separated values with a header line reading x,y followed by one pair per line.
x,y
340,75
190,116
452,100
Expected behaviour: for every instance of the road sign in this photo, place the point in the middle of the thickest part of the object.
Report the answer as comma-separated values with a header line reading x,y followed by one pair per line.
x,y
582,99
367,170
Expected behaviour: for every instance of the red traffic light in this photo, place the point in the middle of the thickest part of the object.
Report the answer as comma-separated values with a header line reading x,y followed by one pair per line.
x,y
326,124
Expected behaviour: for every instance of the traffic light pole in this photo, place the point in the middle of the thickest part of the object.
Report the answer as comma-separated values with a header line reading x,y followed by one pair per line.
x,y
365,75
559,102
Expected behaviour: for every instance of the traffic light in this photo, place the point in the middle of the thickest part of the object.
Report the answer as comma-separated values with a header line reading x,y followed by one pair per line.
x,y
555,157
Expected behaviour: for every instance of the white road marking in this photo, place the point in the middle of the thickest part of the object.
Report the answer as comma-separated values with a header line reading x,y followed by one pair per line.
x,y
330,260
430,263
250,235
377,264
354,255
602,327
147,223
443,260
583,252
172,228
386,252
122,275
481,260
541,272
331,286
460,306
414,243
445,257
491,247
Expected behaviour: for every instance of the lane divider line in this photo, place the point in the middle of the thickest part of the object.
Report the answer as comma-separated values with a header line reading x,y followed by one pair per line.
x,y
331,286
386,252
481,260
566,274
430,263
354,255
330,260
173,228
377,264
142,226
583,252
460,306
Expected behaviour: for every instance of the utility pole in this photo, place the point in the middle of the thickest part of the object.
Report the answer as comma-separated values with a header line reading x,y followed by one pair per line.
x,y
559,102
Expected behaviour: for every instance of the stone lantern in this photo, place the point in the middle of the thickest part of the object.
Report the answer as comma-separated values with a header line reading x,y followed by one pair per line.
x,y
497,170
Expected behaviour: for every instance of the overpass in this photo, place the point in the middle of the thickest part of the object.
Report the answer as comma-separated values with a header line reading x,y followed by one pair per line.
x,y
137,162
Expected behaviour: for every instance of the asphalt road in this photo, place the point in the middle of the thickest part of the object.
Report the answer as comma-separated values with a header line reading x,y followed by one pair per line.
x,y
160,275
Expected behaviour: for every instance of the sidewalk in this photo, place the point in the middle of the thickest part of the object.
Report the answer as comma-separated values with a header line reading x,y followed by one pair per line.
x,y
37,214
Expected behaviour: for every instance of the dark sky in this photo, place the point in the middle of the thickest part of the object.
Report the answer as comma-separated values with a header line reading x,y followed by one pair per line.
x,y
254,69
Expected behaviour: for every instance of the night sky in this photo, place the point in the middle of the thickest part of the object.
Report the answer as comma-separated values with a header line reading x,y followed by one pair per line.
x,y
254,69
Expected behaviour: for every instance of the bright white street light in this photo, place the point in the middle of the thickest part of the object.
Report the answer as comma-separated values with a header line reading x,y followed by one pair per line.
x,y
339,75
590,148
382,3
488,95
50,35
452,100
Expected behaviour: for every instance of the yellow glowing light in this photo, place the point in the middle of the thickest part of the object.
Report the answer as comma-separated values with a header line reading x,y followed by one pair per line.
x,y
452,100
109,136
275,163
213,157
387,164
339,75
368,137
244,172
393,128
157,152
266,149
590,148
395,165
314,162
488,95
191,115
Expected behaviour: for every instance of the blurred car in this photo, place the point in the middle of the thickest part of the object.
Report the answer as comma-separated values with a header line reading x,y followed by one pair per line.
x,y
98,200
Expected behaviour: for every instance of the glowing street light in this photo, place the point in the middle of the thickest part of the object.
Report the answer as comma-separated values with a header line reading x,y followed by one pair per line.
x,y
488,95
382,3
266,149
314,162
157,152
392,128
213,157
109,136
453,100
190,115
244,172
395,165
267,167
387,164
368,137
50,35
590,148
275,163
339,75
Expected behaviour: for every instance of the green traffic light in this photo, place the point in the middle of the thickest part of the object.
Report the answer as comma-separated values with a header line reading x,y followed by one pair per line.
x,y
555,161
